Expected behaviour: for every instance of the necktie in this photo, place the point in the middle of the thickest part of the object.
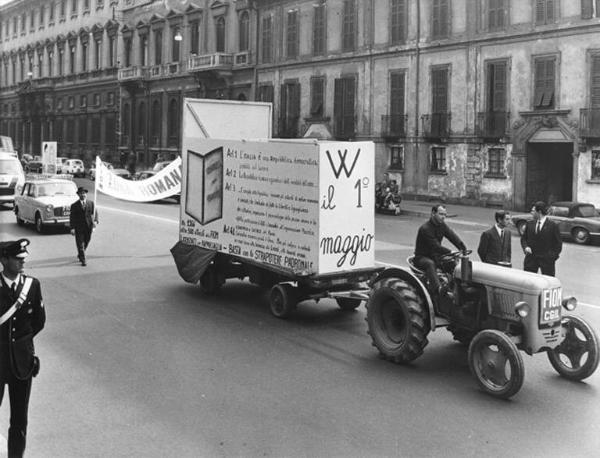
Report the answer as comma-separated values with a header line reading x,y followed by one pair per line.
x,y
13,289
501,233
539,227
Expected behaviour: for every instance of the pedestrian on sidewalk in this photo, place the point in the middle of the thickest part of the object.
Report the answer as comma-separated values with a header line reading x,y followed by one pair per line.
x,y
83,220
22,316
495,243
541,242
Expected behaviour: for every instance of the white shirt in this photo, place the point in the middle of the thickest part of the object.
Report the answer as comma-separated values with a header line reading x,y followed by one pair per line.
x,y
10,282
499,229
541,222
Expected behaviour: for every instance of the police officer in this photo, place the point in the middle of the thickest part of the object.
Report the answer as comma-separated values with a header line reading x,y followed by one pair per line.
x,y
22,316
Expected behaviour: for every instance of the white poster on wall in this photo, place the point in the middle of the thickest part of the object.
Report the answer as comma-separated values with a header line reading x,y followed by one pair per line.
x,y
49,157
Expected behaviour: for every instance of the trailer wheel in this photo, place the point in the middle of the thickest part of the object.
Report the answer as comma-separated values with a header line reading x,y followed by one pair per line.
x,y
282,300
397,320
348,304
577,356
496,363
209,281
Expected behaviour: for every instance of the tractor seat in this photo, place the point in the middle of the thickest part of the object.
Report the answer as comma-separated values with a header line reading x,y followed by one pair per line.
x,y
410,260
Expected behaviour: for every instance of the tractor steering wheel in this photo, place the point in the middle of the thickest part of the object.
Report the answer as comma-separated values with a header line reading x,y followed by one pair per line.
x,y
453,255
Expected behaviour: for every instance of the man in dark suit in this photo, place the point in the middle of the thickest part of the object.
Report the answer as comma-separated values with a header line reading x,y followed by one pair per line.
x,y
22,316
495,243
541,241
83,219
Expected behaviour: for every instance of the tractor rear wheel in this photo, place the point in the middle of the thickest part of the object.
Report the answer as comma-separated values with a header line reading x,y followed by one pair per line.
x,y
496,363
398,320
577,356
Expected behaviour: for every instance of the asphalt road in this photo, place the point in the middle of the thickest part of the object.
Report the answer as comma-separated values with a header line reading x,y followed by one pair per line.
x,y
137,363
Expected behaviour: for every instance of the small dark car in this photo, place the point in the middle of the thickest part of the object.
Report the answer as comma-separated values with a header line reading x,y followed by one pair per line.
x,y
34,167
576,220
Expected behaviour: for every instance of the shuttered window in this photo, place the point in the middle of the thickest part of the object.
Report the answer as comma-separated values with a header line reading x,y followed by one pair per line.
x,y
397,93
319,21
349,26
289,110
595,82
545,11
343,107
317,97
544,83
265,93
496,15
267,39
497,86
441,19
292,34
587,9
439,88
397,21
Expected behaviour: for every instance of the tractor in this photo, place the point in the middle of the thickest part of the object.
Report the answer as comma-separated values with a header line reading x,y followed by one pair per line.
x,y
497,311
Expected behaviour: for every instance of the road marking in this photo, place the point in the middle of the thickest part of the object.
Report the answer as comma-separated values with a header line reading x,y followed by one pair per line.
x,y
129,212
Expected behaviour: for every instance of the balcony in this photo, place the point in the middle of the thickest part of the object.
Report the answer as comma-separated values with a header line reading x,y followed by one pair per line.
x,y
436,125
132,73
492,125
393,126
589,122
216,61
241,59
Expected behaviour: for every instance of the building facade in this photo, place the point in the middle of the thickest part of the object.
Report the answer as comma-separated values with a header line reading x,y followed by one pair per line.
x,y
478,101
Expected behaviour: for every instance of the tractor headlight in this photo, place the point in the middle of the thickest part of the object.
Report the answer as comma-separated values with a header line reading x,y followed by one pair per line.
x,y
522,309
569,303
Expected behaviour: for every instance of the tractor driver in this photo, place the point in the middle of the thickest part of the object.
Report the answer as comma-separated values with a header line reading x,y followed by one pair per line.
x,y
429,249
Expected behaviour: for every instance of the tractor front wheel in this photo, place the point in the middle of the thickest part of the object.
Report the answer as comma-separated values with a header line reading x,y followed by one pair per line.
x,y
577,356
496,363
282,300
398,320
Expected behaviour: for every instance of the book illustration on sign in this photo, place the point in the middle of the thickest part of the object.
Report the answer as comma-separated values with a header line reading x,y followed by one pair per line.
x,y
204,179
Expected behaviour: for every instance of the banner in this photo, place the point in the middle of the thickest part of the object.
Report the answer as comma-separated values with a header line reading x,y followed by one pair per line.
x,y
165,183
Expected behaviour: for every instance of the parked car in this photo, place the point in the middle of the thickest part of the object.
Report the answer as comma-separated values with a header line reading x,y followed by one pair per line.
x,y
45,202
123,173
34,167
11,177
73,167
92,170
576,220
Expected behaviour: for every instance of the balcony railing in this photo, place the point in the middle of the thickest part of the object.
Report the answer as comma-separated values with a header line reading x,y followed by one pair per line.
x,y
492,124
132,73
393,125
241,58
214,61
436,125
589,122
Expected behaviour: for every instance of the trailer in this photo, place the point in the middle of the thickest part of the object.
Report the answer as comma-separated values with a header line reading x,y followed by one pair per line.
x,y
296,217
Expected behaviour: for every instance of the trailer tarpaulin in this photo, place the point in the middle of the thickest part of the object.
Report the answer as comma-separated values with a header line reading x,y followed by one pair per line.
x,y
191,261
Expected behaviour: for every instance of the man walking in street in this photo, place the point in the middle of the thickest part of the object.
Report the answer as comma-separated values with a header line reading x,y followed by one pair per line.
x,y
83,219
495,243
429,249
22,316
541,241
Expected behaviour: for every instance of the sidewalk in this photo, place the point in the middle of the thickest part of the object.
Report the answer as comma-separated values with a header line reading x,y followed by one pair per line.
x,y
484,215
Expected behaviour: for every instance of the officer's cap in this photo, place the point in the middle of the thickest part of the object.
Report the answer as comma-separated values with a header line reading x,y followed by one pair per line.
x,y
14,249
81,190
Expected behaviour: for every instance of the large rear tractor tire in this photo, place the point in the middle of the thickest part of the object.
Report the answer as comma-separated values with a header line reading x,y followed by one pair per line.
x,y
398,320
577,356
496,363
282,300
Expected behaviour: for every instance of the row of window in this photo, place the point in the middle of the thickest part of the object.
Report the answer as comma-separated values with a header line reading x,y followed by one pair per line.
x,y
45,62
45,16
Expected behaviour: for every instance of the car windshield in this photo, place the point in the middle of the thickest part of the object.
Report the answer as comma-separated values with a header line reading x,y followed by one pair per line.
x,y
9,166
560,211
585,211
57,189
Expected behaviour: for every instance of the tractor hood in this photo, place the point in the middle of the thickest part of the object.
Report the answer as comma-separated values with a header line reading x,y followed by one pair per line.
x,y
508,278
